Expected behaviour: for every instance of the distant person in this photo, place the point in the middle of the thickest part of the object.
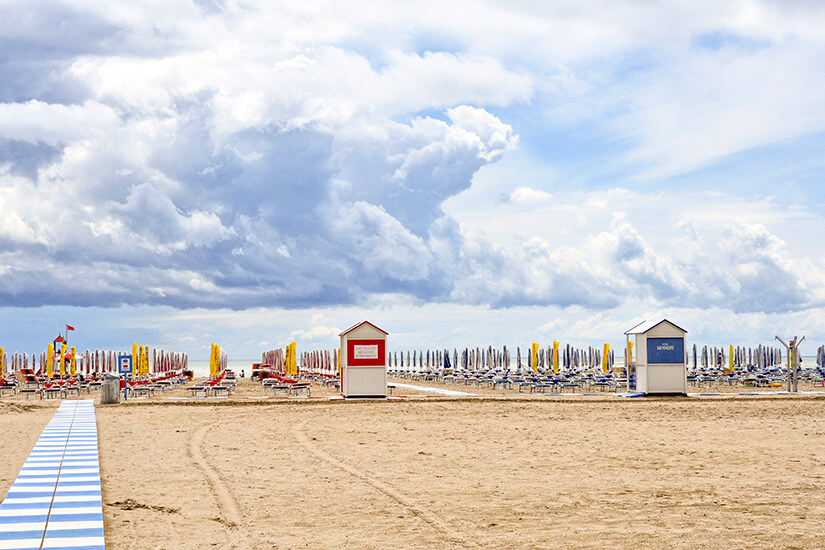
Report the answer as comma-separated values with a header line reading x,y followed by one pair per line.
x,y
242,374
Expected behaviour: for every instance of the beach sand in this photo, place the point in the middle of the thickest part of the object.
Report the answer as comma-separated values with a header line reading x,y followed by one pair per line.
x,y
444,473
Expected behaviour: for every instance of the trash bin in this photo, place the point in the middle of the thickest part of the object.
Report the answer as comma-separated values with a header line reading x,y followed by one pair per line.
x,y
110,390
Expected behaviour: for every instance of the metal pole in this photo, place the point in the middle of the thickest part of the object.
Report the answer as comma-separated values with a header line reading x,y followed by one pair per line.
x,y
797,364
794,361
787,347
791,360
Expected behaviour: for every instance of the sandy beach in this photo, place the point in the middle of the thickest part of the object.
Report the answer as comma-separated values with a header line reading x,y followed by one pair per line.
x,y
446,473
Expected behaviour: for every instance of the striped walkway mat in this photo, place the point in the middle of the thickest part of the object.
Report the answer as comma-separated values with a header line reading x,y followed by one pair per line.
x,y
435,390
55,502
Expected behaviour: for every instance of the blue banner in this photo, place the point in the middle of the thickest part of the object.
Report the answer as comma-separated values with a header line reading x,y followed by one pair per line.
x,y
665,350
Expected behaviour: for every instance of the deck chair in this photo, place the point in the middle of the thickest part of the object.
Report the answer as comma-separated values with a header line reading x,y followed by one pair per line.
x,y
29,378
199,389
299,388
7,387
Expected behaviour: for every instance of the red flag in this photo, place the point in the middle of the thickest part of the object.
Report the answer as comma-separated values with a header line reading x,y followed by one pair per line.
x,y
69,327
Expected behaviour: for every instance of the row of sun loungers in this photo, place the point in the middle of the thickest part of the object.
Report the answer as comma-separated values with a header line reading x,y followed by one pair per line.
x,y
147,387
279,383
523,382
287,386
549,382
222,385
29,385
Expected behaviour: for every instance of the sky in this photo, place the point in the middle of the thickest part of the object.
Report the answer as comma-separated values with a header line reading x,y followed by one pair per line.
x,y
460,174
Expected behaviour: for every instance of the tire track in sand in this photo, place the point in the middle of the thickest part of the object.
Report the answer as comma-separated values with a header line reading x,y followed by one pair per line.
x,y
430,519
232,516
133,539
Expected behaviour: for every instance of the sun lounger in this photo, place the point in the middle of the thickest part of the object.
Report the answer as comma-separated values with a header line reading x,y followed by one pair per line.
x,y
29,378
139,390
572,386
199,390
504,383
280,387
29,392
299,388
292,389
52,392
221,391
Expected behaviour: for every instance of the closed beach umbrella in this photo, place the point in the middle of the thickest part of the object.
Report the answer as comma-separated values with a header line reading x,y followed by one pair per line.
x,y
63,359
605,357
134,357
555,357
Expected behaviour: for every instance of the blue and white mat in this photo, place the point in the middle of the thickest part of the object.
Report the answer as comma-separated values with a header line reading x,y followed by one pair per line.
x,y
435,390
55,502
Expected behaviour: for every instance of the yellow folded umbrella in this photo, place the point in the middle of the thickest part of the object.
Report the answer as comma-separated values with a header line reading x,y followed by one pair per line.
x,y
50,360
134,358
606,358
63,359
555,357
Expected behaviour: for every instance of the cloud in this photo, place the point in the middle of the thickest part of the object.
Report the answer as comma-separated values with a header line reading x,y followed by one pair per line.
x,y
150,220
37,122
529,195
618,253
736,102
319,332
225,155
